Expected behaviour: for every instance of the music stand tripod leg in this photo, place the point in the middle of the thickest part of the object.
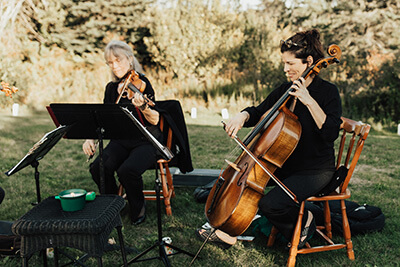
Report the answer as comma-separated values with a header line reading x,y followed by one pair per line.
x,y
160,243
160,240
35,164
100,132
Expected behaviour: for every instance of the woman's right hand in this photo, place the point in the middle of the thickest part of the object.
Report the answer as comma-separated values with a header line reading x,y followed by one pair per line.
x,y
89,147
236,123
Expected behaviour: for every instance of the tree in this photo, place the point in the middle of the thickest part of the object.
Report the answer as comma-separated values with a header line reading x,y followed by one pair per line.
x,y
85,26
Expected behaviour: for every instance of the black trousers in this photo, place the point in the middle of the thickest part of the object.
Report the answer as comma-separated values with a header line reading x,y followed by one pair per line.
x,y
281,210
1,195
129,159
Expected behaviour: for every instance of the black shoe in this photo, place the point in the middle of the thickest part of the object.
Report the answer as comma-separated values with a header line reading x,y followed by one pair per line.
x,y
308,230
139,220
226,242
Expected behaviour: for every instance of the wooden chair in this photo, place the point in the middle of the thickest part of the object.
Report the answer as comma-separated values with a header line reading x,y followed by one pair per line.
x,y
358,133
167,191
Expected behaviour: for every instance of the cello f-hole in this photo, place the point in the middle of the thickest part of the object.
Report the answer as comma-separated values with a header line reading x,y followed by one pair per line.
x,y
244,169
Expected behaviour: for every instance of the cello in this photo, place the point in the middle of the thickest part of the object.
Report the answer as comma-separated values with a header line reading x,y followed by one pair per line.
x,y
233,200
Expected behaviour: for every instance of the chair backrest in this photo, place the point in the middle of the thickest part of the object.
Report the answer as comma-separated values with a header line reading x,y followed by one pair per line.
x,y
173,125
166,130
358,132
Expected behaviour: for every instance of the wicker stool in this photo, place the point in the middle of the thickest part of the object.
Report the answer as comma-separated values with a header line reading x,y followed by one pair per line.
x,y
47,225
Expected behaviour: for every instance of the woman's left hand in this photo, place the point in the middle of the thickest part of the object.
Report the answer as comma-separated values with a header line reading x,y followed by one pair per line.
x,y
300,91
138,100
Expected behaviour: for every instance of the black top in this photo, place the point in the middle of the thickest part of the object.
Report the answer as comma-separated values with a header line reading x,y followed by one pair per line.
x,y
315,150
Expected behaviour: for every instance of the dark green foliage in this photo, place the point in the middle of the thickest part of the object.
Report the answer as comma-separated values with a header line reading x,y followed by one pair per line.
x,y
211,48
85,26
382,99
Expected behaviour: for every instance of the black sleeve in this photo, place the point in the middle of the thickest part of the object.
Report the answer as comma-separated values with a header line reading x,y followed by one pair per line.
x,y
333,111
148,91
110,94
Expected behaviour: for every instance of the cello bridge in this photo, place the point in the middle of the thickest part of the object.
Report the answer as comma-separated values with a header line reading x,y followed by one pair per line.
x,y
233,165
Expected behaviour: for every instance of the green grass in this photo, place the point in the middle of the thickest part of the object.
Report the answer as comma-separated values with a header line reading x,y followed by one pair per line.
x,y
375,182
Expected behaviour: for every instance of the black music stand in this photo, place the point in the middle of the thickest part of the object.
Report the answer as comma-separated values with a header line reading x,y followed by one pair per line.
x,y
160,243
95,121
37,152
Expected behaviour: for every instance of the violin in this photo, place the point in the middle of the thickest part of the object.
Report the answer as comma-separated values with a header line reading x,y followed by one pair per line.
x,y
4,87
132,84
233,200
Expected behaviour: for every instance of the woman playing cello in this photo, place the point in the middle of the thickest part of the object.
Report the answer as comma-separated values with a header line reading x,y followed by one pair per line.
x,y
312,164
128,158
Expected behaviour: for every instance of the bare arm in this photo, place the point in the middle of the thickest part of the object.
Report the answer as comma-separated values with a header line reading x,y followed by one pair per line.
x,y
151,115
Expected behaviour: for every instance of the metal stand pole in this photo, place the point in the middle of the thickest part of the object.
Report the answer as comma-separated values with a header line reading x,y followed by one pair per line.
x,y
162,255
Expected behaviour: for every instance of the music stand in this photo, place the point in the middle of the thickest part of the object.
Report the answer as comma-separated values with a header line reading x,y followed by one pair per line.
x,y
37,152
160,243
95,121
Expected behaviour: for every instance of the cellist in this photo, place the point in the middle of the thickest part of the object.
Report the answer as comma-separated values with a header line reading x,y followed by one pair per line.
x,y
311,166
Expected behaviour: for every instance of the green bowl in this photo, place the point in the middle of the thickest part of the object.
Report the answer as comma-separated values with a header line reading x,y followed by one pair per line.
x,y
72,199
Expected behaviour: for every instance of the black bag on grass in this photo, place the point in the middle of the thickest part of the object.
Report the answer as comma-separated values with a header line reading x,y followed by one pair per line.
x,y
201,193
10,244
362,218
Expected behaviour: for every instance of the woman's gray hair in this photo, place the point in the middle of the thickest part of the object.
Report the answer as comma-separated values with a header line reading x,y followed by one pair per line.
x,y
121,49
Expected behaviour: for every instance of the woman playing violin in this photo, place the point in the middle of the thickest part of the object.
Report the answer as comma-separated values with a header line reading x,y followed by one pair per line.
x,y
318,107
128,158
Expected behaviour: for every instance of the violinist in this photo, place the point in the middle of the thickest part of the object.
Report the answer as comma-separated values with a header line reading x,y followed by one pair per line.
x,y
318,107
128,158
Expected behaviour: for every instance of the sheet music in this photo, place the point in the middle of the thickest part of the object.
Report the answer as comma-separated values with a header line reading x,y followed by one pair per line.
x,y
163,149
54,134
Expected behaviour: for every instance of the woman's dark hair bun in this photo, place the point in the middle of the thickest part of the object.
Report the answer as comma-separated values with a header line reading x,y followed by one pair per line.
x,y
312,35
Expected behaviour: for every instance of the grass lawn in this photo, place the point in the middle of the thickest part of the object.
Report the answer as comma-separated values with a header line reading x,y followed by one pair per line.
x,y
375,182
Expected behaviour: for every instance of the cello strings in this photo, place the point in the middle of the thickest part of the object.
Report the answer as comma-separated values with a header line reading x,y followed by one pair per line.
x,y
237,150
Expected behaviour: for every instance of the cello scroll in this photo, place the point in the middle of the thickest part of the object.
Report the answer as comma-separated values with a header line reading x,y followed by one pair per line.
x,y
335,54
